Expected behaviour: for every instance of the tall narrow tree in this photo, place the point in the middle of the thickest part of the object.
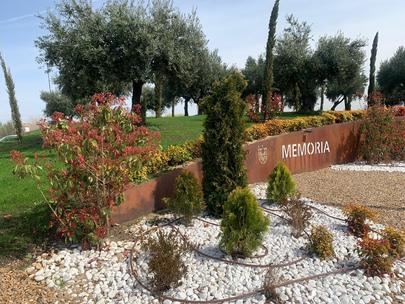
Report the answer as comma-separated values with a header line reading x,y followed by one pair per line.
x,y
268,73
371,85
15,112
222,148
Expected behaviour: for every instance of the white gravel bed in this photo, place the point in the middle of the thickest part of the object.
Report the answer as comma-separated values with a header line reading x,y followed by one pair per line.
x,y
392,167
103,276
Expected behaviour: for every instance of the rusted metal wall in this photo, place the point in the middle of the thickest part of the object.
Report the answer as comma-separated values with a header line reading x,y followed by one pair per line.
x,y
302,151
147,197
308,150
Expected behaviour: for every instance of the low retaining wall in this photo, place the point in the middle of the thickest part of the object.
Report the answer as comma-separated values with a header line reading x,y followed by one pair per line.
x,y
302,151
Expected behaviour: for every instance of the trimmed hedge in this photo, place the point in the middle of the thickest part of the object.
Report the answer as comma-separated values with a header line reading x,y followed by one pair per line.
x,y
180,154
279,126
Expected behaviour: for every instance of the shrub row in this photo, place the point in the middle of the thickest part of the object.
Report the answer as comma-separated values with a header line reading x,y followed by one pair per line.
x,y
162,160
279,126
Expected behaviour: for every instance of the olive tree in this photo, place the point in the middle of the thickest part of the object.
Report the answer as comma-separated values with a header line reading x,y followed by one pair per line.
x,y
341,63
391,76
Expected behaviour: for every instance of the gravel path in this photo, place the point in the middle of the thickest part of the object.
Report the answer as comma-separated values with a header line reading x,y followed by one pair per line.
x,y
394,167
17,287
381,191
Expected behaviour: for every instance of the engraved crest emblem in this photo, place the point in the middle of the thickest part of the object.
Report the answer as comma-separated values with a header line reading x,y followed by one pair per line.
x,y
262,154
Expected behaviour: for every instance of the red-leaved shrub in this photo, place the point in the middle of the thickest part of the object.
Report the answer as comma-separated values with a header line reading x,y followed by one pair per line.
x,y
356,219
399,111
252,114
375,256
382,136
99,151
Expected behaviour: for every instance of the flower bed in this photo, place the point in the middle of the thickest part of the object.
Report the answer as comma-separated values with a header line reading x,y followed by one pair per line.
x,y
94,276
279,126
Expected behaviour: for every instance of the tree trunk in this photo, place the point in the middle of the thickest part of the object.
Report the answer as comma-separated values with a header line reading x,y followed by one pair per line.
x,y
348,103
158,97
296,97
322,97
336,103
173,104
265,106
186,106
199,110
257,104
136,98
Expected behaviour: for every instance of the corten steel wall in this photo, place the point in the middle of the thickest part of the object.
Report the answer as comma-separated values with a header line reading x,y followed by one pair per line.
x,y
261,157
147,197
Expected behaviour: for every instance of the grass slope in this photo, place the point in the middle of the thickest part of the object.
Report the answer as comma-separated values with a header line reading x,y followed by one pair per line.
x,y
177,130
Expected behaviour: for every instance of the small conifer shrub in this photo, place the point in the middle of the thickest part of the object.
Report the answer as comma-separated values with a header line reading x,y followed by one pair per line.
x,y
188,198
356,219
243,224
280,184
375,256
320,242
396,239
299,216
165,263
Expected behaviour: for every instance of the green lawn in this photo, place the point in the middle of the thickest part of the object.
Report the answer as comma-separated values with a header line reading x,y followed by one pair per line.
x,y
21,205
177,130
22,209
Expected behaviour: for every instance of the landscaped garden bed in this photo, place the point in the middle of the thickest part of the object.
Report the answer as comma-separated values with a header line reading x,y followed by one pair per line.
x,y
224,241
215,214
111,275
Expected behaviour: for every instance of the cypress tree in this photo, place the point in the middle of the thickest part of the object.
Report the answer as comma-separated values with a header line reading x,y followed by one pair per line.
x,y
268,72
222,151
371,86
15,112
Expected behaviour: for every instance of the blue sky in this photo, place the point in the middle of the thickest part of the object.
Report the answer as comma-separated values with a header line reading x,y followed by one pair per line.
x,y
237,28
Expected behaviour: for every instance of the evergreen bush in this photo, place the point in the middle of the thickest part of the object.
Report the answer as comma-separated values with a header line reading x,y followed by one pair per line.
x,y
222,152
280,184
243,225
188,198
320,242
15,111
